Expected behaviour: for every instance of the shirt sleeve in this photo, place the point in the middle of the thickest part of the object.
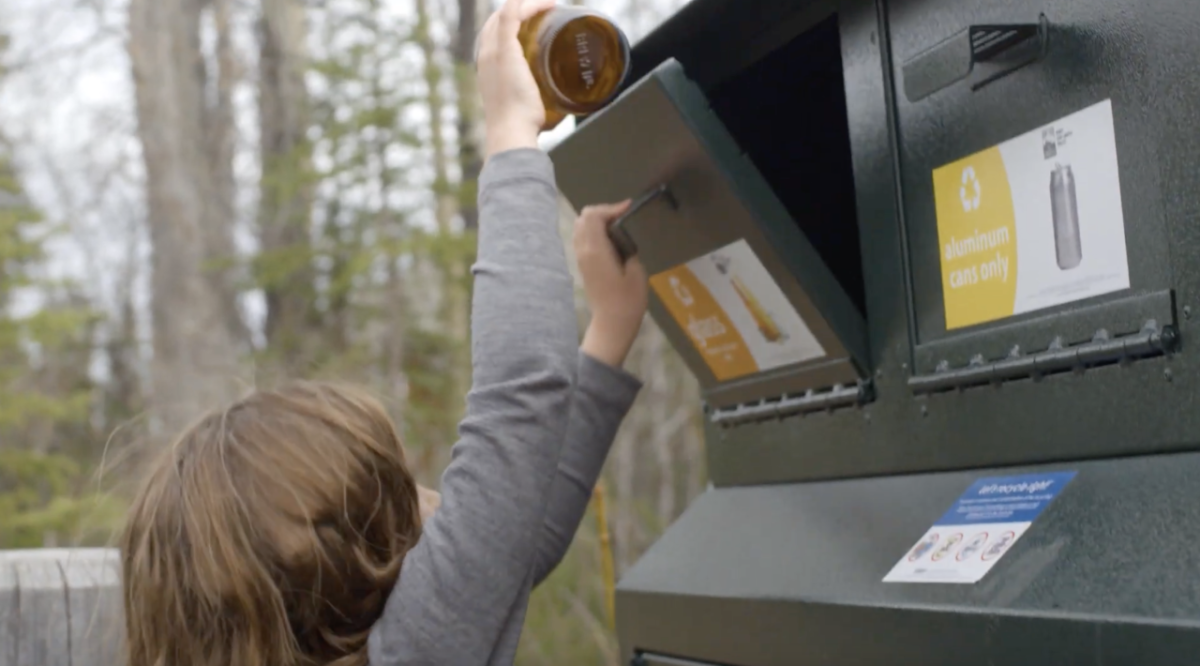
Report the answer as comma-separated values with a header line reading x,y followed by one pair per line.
x,y
470,572
603,396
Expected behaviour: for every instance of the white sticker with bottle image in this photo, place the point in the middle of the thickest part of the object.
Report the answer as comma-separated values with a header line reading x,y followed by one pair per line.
x,y
1034,222
735,314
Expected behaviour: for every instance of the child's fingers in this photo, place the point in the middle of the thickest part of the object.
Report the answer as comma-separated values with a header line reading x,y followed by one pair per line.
x,y
509,22
602,214
591,229
591,233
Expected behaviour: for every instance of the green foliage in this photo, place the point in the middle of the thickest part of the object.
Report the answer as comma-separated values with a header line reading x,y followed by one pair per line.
x,y
566,621
45,392
41,494
432,408
379,270
18,250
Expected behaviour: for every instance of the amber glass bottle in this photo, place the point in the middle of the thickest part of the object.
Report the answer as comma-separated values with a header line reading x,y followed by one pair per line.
x,y
579,59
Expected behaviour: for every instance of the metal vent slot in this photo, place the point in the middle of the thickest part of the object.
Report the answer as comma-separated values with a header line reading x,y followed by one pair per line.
x,y
983,53
794,405
1152,341
988,41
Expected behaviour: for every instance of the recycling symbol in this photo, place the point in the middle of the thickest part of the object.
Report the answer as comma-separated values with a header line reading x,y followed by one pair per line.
x,y
682,292
970,190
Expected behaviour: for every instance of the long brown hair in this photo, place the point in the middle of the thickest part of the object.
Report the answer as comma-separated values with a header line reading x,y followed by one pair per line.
x,y
270,534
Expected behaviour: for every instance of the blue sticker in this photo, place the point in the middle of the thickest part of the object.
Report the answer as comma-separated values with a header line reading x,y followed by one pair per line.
x,y
1007,499
979,529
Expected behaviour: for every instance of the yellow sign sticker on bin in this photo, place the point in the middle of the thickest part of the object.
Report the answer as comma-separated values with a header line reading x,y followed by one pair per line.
x,y
735,314
979,239
1032,223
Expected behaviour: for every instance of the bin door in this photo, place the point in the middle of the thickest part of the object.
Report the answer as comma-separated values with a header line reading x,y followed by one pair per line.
x,y
735,284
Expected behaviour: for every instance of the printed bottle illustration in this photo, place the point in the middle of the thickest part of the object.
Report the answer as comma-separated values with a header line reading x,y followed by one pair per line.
x,y
999,546
1066,217
762,319
945,548
923,547
973,546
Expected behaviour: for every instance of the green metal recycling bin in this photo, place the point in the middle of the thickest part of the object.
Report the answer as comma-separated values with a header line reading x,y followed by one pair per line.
x,y
934,264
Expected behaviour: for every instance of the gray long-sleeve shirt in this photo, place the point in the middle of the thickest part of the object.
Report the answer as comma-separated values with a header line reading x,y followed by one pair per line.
x,y
539,422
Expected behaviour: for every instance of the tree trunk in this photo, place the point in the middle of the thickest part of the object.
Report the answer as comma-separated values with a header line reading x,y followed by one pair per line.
x,y
195,344
470,161
123,394
221,139
471,14
470,157
285,270
444,211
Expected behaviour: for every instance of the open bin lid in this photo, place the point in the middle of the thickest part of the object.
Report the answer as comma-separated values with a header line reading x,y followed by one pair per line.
x,y
736,286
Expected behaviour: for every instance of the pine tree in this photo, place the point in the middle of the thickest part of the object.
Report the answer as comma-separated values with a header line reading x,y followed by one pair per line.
x,y
45,391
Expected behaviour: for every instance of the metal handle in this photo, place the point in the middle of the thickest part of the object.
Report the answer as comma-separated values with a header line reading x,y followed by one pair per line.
x,y
619,234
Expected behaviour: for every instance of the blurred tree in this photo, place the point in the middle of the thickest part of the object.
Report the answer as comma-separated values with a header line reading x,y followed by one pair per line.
x,y
46,393
384,213
186,140
284,264
470,156
454,247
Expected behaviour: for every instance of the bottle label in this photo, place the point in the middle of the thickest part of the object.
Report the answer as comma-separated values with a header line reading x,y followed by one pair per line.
x,y
583,49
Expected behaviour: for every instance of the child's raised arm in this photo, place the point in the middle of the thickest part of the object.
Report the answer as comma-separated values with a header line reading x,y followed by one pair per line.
x,y
467,580
603,397
617,295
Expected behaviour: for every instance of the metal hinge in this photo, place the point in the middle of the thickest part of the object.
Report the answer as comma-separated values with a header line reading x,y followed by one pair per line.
x,y
794,405
1150,342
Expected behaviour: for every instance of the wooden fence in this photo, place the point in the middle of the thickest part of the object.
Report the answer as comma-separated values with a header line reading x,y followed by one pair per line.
x,y
60,608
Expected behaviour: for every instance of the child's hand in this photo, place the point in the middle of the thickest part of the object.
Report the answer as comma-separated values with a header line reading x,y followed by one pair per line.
x,y
616,293
512,106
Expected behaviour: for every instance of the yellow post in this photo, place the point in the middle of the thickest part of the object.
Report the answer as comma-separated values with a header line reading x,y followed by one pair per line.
x,y
606,556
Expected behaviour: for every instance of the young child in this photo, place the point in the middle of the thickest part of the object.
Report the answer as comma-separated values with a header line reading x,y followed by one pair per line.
x,y
286,529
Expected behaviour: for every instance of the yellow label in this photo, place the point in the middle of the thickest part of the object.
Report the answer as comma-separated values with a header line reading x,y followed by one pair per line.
x,y
977,234
698,313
